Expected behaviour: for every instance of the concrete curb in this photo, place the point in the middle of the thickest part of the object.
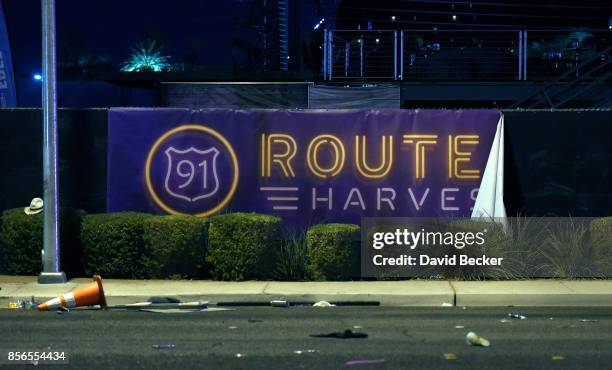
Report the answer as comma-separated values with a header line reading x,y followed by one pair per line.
x,y
410,293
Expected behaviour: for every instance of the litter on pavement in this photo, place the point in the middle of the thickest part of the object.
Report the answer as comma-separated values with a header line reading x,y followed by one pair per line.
x,y
279,303
62,310
446,304
347,334
475,340
323,304
141,306
302,351
184,310
377,361
450,356
588,320
558,358
516,315
164,346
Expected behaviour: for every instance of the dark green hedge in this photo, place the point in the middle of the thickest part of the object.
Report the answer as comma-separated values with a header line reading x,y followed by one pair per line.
x,y
333,251
175,246
21,242
113,244
242,245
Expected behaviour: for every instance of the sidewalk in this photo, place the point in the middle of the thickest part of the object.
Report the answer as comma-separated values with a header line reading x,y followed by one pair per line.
x,y
423,293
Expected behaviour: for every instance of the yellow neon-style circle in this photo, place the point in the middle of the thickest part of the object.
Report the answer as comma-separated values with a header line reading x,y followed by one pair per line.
x,y
216,135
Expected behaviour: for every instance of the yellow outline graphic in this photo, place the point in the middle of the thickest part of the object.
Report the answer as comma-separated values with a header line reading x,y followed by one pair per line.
x,y
216,135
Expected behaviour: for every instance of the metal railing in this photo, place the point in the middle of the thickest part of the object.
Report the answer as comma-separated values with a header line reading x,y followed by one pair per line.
x,y
458,55
571,84
360,54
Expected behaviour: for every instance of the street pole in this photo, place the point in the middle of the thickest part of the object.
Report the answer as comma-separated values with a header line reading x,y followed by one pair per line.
x,y
51,253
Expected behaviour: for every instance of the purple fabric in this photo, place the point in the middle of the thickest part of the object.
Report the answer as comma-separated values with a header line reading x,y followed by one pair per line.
x,y
191,171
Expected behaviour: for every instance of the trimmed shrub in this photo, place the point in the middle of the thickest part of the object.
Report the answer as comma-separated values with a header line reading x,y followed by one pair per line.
x,y
175,245
601,245
113,244
21,241
242,245
333,251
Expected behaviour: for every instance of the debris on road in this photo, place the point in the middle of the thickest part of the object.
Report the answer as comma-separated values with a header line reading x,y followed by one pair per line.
x,y
151,306
14,305
183,310
301,351
558,358
475,340
62,310
232,327
164,346
241,355
279,303
450,356
377,361
323,304
459,326
516,315
588,320
347,334
446,304
163,299
503,321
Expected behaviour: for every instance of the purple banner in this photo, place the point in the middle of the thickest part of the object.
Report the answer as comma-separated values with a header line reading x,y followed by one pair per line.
x,y
305,166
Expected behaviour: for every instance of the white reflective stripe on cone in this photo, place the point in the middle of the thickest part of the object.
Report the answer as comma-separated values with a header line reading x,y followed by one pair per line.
x,y
53,303
69,298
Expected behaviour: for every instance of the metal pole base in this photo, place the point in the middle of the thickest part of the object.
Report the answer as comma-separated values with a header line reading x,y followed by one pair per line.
x,y
52,278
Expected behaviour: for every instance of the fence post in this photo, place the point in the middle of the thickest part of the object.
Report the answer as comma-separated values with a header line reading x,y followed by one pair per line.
x,y
401,55
525,56
347,51
361,56
520,56
324,54
330,63
395,55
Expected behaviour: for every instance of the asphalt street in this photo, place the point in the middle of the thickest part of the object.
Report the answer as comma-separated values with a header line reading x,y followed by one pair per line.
x,y
279,338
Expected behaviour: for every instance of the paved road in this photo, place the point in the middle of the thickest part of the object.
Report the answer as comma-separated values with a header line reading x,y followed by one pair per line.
x,y
266,338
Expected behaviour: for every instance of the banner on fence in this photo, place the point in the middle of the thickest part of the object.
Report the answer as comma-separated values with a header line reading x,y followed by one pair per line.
x,y
8,95
304,166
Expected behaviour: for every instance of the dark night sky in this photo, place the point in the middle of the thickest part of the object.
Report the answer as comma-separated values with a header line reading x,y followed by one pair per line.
x,y
202,32
111,27
206,28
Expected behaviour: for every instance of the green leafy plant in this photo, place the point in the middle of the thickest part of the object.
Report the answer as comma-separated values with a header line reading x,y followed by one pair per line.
x,y
567,251
242,245
292,257
175,245
333,251
113,244
600,231
21,242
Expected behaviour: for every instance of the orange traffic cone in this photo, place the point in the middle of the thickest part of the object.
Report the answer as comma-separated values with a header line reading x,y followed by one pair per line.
x,y
87,295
